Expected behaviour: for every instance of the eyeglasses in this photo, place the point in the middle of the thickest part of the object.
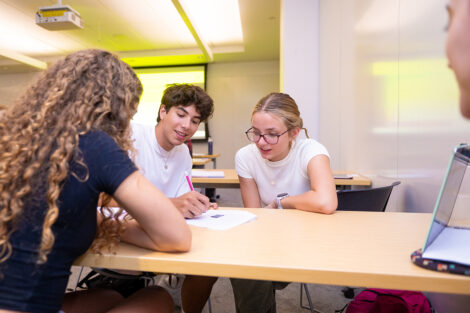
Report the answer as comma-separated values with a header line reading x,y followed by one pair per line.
x,y
255,136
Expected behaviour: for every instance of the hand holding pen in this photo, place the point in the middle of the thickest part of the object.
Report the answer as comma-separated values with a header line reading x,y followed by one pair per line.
x,y
212,205
192,204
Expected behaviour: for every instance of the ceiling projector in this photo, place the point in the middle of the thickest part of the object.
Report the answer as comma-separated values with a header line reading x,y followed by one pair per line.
x,y
58,17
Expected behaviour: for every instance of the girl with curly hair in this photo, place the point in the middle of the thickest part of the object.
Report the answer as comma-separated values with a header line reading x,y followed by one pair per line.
x,y
62,144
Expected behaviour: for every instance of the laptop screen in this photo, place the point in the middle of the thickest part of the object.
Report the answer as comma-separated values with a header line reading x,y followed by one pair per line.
x,y
449,192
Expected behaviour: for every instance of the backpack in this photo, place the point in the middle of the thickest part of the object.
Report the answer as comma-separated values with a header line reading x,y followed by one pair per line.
x,y
389,301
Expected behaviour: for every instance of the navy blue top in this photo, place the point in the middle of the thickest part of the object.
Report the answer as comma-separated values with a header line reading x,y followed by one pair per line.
x,y
26,286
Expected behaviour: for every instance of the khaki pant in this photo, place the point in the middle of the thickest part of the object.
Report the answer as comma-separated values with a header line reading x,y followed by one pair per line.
x,y
255,296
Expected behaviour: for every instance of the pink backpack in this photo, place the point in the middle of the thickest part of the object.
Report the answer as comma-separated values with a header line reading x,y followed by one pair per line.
x,y
389,301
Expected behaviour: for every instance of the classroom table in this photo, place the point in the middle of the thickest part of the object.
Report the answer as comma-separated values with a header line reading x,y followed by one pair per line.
x,y
369,249
202,155
230,180
212,157
200,162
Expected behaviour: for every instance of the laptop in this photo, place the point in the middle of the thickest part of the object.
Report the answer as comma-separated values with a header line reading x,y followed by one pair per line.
x,y
449,240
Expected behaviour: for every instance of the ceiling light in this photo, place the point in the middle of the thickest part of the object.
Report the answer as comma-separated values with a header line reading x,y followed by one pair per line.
x,y
218,21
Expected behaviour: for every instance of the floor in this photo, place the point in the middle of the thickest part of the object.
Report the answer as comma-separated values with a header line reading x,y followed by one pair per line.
x,y
325,298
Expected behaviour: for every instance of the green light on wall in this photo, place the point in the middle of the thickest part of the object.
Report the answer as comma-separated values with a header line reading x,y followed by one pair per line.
x,y
410,67
165,60
415,87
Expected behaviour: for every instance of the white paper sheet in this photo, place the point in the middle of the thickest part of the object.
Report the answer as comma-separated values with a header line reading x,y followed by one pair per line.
x,y
207,174
345,176
452,245
221,219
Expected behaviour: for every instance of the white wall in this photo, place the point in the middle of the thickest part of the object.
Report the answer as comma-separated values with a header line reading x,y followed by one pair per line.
x,y
299,58
236,88
388,102
13,85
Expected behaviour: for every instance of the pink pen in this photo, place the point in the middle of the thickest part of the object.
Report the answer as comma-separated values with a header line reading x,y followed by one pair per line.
x,y
189,181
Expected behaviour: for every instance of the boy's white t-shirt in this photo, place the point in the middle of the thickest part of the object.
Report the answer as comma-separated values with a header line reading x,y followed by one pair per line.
x,y
165,169
287,175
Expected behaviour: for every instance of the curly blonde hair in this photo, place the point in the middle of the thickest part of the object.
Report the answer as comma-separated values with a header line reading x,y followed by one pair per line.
x,y
39,134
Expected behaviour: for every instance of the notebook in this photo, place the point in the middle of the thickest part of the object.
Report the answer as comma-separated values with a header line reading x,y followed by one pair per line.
x,y
450,241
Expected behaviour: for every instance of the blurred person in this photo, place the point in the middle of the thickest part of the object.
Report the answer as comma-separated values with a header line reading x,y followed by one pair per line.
x,y
458,55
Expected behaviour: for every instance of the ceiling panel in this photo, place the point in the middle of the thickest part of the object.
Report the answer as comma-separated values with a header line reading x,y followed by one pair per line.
x,y
143,28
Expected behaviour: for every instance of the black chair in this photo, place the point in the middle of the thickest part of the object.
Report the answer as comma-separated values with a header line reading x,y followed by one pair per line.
x,y
371,199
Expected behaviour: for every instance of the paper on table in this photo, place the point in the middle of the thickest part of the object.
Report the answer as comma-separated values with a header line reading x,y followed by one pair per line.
x,y
207,174
221,219
451,245
345,176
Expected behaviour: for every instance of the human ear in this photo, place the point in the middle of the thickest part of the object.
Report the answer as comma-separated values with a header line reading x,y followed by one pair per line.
x,y
162,111
294,132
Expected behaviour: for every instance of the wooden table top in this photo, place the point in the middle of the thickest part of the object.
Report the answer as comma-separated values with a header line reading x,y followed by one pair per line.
x,y
357,180
208,156
200,161
369,249
230,180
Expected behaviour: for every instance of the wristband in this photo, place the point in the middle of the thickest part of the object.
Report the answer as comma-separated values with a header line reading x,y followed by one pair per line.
x,y
279,198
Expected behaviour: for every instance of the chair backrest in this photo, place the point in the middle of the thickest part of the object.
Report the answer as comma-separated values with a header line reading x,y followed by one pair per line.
x,y
372,199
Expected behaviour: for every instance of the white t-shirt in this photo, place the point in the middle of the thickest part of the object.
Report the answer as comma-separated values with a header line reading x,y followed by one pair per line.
x,y
165,169
287,175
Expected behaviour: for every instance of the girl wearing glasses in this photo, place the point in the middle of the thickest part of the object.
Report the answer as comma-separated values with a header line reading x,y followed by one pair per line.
x,y
280,171
278,163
